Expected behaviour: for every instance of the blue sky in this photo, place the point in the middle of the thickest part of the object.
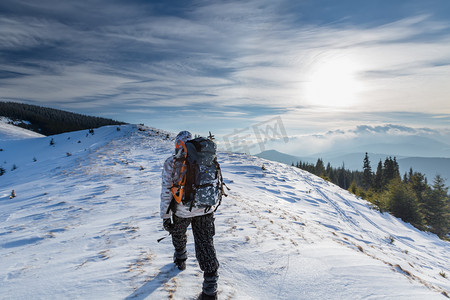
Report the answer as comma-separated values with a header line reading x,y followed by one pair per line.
x,y
324,67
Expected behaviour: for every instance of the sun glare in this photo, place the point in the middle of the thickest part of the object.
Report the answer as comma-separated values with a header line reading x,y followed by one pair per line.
x,y
333,83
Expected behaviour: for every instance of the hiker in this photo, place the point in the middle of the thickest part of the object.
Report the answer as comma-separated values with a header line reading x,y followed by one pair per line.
x,y
177,215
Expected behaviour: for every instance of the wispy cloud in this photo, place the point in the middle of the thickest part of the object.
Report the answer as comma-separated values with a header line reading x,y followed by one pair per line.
x,y
231,58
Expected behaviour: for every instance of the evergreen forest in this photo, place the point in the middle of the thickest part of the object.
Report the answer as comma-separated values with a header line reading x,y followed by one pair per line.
x,y
50,121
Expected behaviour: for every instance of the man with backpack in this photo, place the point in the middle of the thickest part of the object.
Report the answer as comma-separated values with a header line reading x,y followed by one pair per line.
x,y
192,188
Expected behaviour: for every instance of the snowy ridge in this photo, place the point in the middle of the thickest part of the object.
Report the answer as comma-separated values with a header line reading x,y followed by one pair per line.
x,y
10,132
85,226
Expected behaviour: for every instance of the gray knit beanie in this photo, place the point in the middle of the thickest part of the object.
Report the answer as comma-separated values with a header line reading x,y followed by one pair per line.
x,y
183,136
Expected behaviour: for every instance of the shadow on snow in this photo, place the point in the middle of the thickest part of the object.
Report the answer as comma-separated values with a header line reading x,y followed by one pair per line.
x,y
165,274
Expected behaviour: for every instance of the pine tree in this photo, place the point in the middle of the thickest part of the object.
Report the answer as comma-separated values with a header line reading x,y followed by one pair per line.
x,y
390,170
419,186
320,168
436,208
396,168
402,202
353,188
331,173
342,180
410,174
367,173
378,179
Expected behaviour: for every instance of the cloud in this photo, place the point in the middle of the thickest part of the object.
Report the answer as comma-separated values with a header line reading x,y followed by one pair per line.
x,y
224,59
386,138
22,33
66,84
384,129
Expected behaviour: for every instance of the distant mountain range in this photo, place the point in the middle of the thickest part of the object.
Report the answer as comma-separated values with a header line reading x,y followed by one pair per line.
x,y
430,166
408,146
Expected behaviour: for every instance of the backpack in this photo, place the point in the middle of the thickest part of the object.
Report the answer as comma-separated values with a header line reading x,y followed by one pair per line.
x,y
197,178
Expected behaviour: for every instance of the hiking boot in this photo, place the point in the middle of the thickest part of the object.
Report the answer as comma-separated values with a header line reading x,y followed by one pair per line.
x,y
181,264
179,258
204,296
210,285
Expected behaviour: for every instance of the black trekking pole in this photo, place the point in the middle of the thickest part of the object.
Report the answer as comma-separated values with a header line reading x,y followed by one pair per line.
x,y
160,239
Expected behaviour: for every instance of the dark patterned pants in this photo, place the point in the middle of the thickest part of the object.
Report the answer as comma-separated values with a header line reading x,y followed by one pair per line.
x,y
203,231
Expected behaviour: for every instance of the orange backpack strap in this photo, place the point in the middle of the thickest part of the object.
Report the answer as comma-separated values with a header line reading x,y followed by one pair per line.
x,y
178,189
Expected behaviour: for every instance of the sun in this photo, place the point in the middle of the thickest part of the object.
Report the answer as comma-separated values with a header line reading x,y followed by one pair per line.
x,y
332,82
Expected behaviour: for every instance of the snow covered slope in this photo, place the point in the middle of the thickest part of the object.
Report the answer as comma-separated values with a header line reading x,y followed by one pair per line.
x,y
85,222
11,132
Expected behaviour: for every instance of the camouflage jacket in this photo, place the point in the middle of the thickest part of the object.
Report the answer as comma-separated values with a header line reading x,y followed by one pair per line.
x,y
182,211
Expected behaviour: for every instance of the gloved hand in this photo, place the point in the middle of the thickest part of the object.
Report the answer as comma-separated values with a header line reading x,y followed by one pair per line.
x,y
167,224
